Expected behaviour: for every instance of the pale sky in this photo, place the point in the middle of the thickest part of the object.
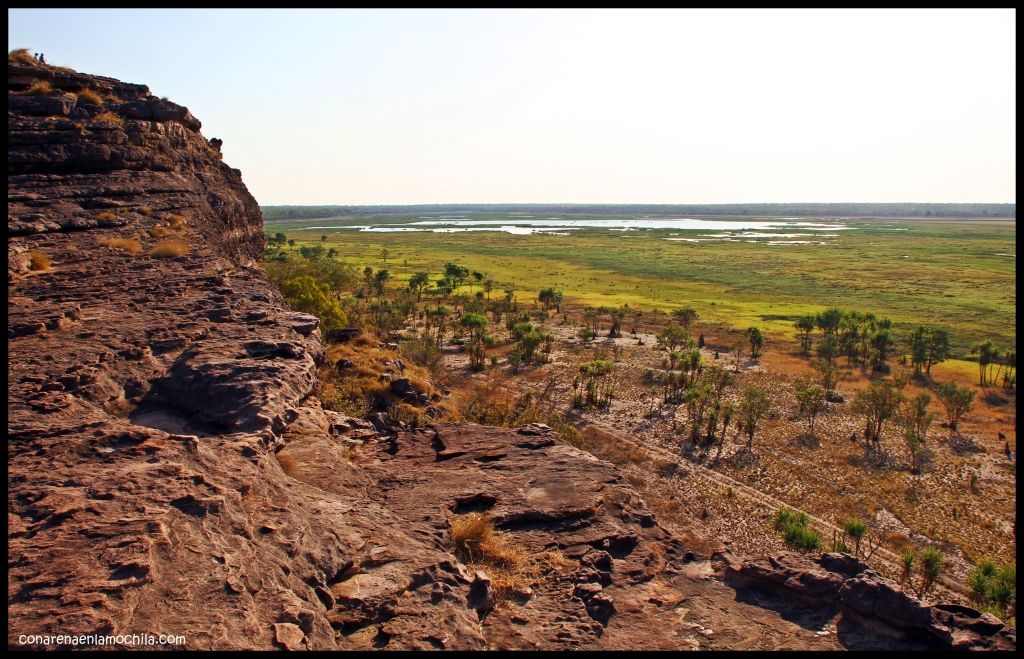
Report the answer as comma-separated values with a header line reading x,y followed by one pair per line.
x,y
588,106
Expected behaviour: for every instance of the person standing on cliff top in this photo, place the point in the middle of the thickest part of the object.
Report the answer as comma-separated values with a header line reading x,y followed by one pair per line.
x,y
42,58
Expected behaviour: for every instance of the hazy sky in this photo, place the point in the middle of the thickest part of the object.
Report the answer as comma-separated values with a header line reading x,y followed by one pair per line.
x,y
630,106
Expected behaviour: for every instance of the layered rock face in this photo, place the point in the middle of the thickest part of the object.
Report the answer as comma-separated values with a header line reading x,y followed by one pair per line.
x,y
172,472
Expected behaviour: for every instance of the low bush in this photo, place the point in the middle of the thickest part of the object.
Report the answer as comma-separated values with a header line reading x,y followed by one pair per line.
x,y
176,221
793,527
158,231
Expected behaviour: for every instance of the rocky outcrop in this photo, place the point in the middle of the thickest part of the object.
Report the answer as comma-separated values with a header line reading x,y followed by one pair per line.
x,y
861,594
171,471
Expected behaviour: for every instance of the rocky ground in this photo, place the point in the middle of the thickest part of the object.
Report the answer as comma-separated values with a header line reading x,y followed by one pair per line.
x,y
171,470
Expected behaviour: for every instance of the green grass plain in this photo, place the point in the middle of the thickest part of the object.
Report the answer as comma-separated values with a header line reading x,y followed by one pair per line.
x,y
942,272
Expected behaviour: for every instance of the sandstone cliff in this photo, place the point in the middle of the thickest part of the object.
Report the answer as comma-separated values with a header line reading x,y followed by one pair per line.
x,y
171,470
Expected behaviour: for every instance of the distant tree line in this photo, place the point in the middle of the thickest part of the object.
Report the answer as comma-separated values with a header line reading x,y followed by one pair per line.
x,y
797,209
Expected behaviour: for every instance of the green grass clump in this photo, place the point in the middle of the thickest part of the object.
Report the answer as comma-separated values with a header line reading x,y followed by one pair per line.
x,y
793,527
994,588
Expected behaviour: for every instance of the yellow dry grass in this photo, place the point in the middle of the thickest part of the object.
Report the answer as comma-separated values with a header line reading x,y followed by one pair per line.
x,y
169,248
480,546
38,261
108,118
176,221
20,56
40,88
158,231
89,96
127,244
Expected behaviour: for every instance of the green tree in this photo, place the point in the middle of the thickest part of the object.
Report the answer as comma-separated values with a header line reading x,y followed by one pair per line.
x,y
916,421
456,273
418,282
477,325
957,402
752,408
686,316
379,279
855,528
878,403
805,327
811,398
828,321
987,353
756,342
305,294
928,346
674,336
933,563
550,298
907,561
597,386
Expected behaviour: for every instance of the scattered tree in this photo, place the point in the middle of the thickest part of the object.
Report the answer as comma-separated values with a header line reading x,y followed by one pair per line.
x,y
753,406
957,402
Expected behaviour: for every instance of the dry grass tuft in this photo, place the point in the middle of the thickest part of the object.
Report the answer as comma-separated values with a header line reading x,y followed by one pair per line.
x,y
177,221
287,462
38,261
105,216
158,231
108,117
127,244
40,88
169,248
87,95
506,562
20,56
146,210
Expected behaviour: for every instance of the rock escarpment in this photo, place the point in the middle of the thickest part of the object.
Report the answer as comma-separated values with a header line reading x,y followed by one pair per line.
x,y
172,472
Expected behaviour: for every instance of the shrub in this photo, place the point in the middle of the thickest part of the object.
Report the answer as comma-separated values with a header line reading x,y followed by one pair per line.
x,y
932,564
38,261
158,231
146,210
105,216
108,117
994,588
907,560
307,295
20,56
177,221
793,527
127,244
40,88
856,529
169,248
87,95
839,546
424,352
